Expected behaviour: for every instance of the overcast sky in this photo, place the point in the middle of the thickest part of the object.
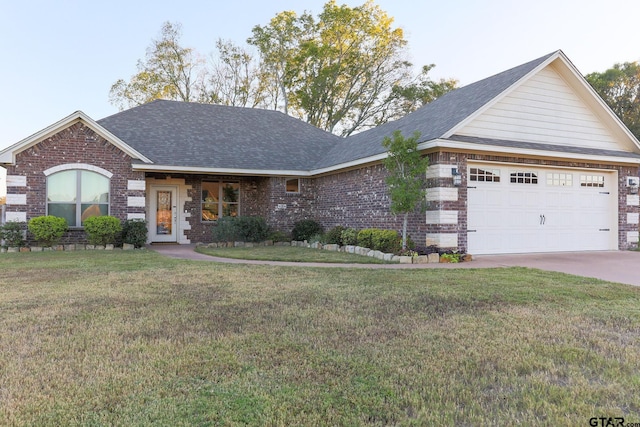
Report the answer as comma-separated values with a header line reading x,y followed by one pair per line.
x,y
63,56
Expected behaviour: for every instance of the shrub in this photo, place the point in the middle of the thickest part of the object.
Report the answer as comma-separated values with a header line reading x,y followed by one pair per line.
x,y
47,230
240,228
349,236
303,230
279,236
13,234
334,236
134,232
388,241
102,230
251,228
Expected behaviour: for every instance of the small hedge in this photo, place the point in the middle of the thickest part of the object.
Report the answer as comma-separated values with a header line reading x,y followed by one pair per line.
x,y
349,236
305,229
334,236
102,230
134,232
388,241
240,228
13,234
47,230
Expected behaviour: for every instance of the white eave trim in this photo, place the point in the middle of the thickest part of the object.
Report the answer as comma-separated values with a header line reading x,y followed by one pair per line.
x,y
8,155
219,171
526,152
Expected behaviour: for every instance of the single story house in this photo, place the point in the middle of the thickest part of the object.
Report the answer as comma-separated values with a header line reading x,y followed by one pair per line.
x,y
528,160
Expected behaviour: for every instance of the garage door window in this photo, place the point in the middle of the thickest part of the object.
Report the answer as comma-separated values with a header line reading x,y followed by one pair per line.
x,y
592,180
521,177
484,175
559,180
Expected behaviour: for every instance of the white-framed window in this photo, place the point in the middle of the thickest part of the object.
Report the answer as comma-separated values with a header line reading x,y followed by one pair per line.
x,y
484,175
523,177
592,180
559,179
292,185
77,194
220,198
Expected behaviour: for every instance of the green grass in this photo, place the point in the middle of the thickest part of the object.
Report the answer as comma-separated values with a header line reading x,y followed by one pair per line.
x,y
290,254
122,338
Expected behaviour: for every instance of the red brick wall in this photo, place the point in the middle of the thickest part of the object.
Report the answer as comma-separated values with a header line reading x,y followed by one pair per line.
x,y
75,144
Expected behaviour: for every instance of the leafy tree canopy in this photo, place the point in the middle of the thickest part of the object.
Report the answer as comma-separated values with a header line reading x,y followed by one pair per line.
x,y
619,86
344,70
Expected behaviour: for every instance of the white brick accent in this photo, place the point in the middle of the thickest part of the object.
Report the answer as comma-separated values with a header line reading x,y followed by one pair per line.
x,y
16,181
440,171
633,218
633,200
136,216
16,216
443,240
134,184
633,237
442,194
135,202
16,199
442,217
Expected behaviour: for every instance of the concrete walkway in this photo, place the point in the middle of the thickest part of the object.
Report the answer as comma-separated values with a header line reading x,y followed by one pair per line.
x,y
612,266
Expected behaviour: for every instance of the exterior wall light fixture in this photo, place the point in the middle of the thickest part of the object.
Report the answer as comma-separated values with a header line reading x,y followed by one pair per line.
x,y
457,177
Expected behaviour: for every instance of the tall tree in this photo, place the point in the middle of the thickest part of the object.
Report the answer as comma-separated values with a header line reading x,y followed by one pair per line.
x,y
421,91
619,86
169,71
406,167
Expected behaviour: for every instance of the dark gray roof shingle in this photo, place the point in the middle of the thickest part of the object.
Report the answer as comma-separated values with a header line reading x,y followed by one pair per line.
x,y
194,135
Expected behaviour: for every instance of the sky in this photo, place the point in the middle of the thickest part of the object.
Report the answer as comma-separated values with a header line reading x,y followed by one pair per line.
x,y
60,56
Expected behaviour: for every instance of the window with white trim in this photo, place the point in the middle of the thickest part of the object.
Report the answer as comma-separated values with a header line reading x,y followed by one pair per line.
x,y
524,177
484,175
292,185
76,195
219,198
592,180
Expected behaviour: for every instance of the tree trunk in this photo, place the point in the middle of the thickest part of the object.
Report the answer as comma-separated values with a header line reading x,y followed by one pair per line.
x,y
404,231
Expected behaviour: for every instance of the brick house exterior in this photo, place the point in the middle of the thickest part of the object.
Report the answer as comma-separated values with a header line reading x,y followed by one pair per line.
x,y
489,132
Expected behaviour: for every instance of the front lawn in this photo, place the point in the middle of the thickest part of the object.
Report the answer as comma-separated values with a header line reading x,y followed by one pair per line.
x,y
289,253
134,338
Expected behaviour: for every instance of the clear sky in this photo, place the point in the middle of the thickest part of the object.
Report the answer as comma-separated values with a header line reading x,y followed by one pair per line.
x,y
60,56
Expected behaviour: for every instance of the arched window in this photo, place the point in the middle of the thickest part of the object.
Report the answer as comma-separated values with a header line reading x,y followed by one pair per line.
x,y
77,194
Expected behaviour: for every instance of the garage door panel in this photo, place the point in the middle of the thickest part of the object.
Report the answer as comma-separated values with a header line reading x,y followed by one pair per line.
x,y
556,213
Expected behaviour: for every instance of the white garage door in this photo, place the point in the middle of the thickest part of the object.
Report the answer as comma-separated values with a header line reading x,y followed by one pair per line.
x,y
520,209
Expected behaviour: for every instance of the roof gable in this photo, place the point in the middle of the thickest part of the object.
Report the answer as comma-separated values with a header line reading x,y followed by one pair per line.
x,y
8,155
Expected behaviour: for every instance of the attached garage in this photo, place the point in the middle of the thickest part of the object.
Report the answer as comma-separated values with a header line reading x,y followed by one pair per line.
x,y
520,208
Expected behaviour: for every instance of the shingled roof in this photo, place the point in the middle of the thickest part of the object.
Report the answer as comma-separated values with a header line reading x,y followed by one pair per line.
x,y
192,135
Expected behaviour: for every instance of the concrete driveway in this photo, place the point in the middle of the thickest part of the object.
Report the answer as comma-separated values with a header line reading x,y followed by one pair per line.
x,y
612,266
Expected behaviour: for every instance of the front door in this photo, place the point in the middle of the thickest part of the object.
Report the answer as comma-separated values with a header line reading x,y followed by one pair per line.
x,y
164,214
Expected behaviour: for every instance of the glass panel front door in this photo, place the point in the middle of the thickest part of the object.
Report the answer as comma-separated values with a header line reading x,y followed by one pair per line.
x,y
163,214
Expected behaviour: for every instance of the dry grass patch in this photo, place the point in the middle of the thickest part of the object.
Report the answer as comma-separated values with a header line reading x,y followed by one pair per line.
x,y
138,339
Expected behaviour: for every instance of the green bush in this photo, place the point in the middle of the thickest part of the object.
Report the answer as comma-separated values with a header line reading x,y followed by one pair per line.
x,y
252,228
47,230
13,234
334,236
388,241
279,236
303,230
241,228
102,230
349,236
134,232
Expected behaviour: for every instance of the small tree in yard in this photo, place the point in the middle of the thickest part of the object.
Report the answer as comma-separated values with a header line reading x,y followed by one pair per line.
x,y
406,176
